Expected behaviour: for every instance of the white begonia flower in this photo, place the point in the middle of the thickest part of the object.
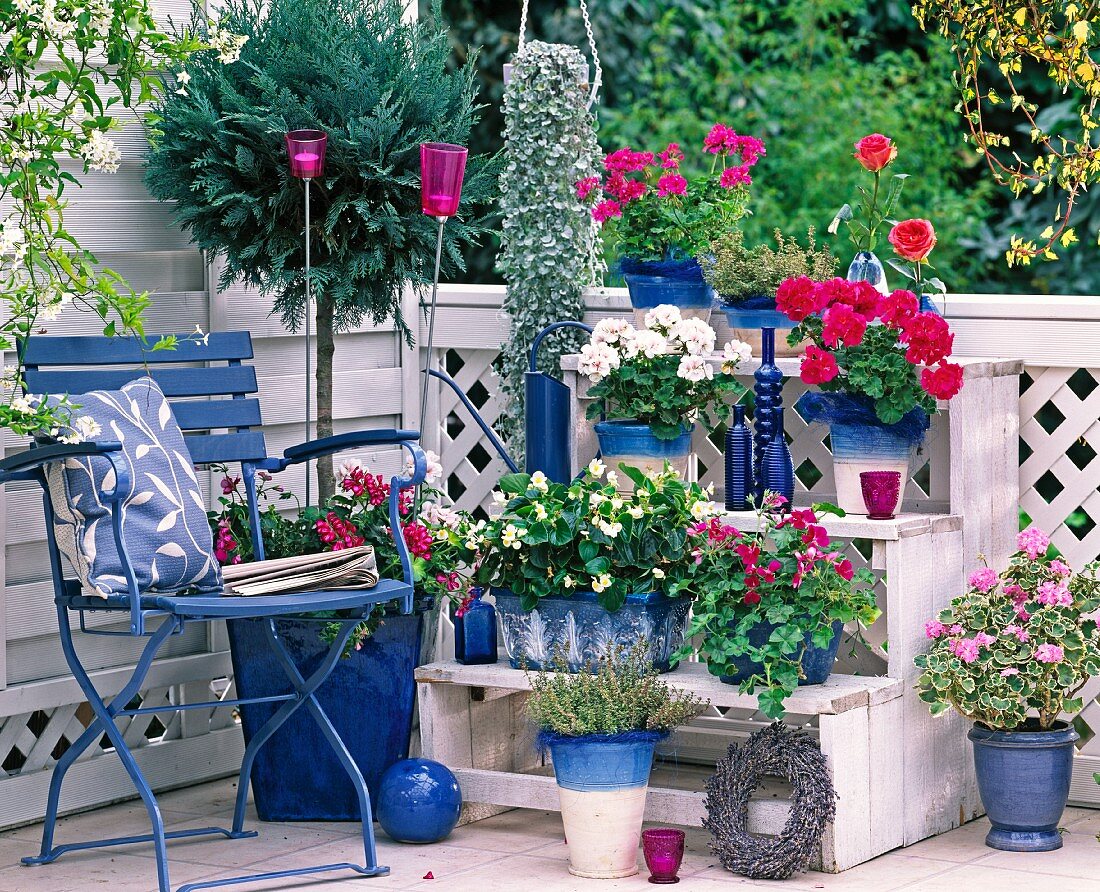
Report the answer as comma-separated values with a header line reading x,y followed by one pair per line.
x,y
569,582
616,503
598,361
697,337
703,510
658,573
612,331
665,316
596,468
734,354
649,344
636,511
601,582
511,536
540,511
539,481
499,498
694,368
611,529
612,478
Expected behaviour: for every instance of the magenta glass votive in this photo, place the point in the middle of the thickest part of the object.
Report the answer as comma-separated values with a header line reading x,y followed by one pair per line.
x,y
664,851
441,168
881,493
306,151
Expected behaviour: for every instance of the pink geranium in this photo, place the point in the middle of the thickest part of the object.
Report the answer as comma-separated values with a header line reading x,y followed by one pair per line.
x,y
983,580
1049,653
1033,542
671,184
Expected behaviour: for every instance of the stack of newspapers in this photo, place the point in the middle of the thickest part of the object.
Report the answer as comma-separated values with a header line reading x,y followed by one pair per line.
x,y
351,568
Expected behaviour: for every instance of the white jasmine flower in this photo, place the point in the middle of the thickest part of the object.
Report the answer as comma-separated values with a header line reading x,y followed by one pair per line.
x,y
694,368
87,427
101,153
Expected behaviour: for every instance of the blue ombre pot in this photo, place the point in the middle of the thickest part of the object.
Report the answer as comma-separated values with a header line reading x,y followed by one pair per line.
x,y
582,631
1023,779
857,448
817,662
602,782
755,312
676,282
634,444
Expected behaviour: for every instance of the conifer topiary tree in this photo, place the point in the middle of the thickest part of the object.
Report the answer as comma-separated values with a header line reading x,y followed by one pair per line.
x,y
379,85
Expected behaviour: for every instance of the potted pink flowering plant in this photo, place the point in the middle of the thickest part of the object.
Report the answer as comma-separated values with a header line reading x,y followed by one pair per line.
x,y
1011,655
661,221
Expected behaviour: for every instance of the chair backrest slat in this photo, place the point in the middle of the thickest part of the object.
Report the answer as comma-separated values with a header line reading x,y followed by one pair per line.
x,y
209,415
220,346
217,448
222,381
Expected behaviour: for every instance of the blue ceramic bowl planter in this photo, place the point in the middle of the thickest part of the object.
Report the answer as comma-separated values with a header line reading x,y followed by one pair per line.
x,y
1023,779
817,662
634,444
676,281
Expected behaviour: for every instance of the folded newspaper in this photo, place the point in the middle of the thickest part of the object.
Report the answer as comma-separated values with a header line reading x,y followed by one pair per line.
x,y
350,568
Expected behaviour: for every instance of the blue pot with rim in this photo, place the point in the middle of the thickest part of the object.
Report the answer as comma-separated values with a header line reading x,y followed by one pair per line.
x,y
583,631
677,281
817,662
627,441
1023,779
757,311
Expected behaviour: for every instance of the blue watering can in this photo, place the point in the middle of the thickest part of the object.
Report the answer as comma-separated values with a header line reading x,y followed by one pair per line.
x,y
546,424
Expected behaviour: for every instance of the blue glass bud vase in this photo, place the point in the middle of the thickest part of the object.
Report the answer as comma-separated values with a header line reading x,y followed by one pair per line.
x,y
475,631
769,398
739,479
777,466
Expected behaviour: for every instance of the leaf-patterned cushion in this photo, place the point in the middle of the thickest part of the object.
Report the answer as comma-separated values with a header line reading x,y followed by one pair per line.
x,y
164,524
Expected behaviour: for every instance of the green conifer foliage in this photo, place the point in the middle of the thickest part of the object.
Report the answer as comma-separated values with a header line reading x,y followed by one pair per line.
x,y
379,85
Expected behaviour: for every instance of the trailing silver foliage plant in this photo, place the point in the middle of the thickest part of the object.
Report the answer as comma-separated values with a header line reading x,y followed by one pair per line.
x,y
549,244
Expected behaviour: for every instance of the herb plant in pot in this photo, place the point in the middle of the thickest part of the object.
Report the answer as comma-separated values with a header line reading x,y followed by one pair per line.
x,y
747,279
579,568
1012,655
601,728
662,221
770,605
880,364
652,384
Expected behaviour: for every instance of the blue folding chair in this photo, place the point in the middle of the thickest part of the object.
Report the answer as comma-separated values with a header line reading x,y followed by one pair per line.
x,y
219,425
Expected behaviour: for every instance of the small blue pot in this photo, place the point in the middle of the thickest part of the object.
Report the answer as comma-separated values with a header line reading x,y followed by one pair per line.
x,y
584,631
603,762
755,312
633,444
1023,778
676,282
817,662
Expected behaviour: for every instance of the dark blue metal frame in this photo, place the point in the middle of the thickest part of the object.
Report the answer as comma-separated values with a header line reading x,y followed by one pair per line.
x,y
158,617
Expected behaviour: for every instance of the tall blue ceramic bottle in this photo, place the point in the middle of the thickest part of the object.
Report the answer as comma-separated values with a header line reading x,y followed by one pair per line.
x,y
778,468
739,479
769,398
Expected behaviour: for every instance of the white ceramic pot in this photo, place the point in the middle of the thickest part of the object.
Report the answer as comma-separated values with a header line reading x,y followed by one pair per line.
x,y
859,448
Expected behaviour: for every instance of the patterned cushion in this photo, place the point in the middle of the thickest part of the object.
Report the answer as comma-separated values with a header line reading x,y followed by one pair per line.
x,y
164,525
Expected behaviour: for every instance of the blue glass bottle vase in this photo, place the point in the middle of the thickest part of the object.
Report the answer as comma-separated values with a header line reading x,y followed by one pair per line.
x,y
739,479
778,467
769,398
476,631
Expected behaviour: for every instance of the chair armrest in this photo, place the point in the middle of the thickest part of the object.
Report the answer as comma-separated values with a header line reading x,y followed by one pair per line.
x,y
329,445
42,455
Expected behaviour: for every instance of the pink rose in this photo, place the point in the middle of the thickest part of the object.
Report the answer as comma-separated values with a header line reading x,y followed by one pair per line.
x,y
874,152
913,240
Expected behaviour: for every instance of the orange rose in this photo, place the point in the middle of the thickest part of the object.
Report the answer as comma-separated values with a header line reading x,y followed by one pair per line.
x,y
913,240
874,152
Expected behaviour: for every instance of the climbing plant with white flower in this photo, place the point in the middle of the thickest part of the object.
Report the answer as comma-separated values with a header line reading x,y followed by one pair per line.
x,y
70,70
663,374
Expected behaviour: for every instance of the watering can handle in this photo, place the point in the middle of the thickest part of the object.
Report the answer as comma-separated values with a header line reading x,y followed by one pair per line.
x,y
550,329
598,80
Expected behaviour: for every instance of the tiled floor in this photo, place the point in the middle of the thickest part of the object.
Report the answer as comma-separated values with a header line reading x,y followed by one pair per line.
x,y
519,850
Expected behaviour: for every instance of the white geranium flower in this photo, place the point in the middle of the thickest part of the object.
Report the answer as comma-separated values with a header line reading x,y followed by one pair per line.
x,y
734,354
598,361
665,316
649,344
349,467
434,470
612,331
694,368
697,337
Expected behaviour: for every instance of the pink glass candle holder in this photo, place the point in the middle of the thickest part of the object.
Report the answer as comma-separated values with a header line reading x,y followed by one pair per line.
x,y
664,851
881,493
306,151
441,168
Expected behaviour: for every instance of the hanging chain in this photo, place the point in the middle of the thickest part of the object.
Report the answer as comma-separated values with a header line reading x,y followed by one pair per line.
x,y
598,80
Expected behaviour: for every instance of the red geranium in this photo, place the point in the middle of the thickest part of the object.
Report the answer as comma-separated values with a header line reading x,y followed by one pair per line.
x,y
929,338
944,381
843,327
818,366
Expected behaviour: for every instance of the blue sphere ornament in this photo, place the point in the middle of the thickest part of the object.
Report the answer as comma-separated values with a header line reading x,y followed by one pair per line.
x,y
419,801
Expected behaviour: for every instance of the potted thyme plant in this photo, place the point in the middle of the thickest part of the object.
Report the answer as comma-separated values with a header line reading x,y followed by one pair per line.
x,y
601,727
577,568
1011,655
661,221
881,362
770,605
653,383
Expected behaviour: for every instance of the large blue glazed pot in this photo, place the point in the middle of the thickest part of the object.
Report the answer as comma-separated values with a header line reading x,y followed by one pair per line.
x,y
368,698
676,282
583,631
1023,779
602,783
630,443
817,662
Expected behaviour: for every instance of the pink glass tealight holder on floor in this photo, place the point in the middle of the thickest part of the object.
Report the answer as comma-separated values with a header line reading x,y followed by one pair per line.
x,y
881,493
664,851
306,151
442,166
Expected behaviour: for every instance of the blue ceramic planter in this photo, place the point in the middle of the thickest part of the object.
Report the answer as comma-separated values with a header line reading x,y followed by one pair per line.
x,y
676,282
599,762
419,802
755,312
817,662
584,631
368,698
1023,778
630,443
